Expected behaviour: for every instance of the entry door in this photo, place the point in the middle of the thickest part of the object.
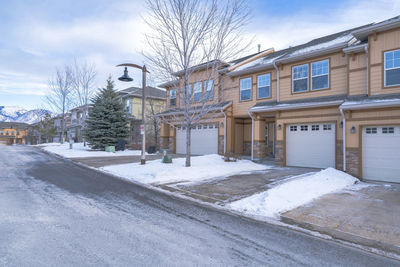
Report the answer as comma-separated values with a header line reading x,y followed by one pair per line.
x,y
310,145
381,153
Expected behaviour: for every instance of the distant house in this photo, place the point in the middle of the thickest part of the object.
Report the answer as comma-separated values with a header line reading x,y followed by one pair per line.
x,y
13,133
76,122
155,103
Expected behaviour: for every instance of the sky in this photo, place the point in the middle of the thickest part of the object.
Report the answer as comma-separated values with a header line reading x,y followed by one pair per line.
x,y
36,36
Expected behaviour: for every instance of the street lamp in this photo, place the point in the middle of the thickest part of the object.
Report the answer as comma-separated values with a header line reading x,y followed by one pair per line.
x,y
126,78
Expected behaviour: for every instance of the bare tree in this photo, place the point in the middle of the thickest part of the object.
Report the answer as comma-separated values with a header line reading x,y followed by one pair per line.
x,y
192,36
153,108
60,94
83,79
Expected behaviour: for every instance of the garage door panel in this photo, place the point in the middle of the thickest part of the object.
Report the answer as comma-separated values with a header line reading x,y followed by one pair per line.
x,y
204,140
313,147
381,153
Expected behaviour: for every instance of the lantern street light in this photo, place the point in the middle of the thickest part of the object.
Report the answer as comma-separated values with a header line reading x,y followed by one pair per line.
x,y
126,78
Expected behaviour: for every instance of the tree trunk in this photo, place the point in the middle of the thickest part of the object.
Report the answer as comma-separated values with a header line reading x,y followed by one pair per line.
x,y
188,133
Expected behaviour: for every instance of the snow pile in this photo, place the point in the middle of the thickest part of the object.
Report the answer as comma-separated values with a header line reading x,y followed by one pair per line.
x,y
79,151
294,193
202,167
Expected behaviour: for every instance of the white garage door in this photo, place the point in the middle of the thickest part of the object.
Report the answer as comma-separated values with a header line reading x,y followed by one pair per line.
x,y
204,139
310,145
381,153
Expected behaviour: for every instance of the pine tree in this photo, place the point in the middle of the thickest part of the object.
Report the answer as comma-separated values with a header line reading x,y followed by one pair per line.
x,y
107,122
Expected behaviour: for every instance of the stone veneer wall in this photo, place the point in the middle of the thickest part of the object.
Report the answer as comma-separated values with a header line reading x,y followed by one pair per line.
x,y
171,144
339,154
246,148
352,161
279,153
270,150
164,142
221,144
259,150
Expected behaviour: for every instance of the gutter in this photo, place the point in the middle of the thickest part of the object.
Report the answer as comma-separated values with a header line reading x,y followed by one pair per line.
x,y
376,27
355,48
367,81
222,110
344,138
364,105
252,135
277,80
297,106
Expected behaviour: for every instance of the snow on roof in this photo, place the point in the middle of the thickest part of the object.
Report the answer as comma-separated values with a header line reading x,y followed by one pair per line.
x,y
340,40
257,62
370,101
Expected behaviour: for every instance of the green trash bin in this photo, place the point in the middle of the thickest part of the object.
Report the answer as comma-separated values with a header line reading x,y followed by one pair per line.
x,y
110,149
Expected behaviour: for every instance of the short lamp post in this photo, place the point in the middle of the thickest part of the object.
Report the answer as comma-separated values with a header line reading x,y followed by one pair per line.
x,y
126,78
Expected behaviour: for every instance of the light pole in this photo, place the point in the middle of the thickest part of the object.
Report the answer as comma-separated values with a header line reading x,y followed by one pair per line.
x,y
126,78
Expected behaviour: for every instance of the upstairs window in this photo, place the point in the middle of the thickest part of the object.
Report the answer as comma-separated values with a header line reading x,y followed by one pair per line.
x,y
392,68
197,92
209,86
300,78
245,89
172,97
189,92
320,75
264,86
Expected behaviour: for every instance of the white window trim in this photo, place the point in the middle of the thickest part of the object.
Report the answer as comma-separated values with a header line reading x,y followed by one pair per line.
x,y
207,89
197,92
385,69
258,86
319,75
173,96
308,76
240,89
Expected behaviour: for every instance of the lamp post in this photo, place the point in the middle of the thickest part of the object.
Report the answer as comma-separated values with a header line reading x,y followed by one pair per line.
x,y
126,78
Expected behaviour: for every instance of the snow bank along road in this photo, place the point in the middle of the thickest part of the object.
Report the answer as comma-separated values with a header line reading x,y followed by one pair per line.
x,y
53,212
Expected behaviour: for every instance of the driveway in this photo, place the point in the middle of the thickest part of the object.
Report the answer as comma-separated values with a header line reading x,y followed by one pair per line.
x,y
56,213
369,216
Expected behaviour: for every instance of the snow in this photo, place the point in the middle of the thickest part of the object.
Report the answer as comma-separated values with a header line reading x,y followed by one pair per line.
x,y
79,151
12,111
294,192
260,61
309,49
18,114
368,101
202,168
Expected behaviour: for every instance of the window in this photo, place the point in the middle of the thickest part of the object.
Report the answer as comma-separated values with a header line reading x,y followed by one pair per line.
x,y
245,89
264,86
386,130
7,133
293,128
304,128
320,75
189,92
371,130
327,127
17,133
392,68
197,92
300,78
128,106
172,97
315,127
209,86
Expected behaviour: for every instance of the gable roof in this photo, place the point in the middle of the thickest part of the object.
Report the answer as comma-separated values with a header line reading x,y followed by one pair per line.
x,y
363,33
13,125
151,92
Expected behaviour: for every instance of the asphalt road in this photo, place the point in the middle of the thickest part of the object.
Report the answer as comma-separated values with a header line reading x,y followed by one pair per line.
x,y
55,213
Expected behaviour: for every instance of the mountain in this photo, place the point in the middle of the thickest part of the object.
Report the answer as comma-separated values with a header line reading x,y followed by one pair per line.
x,y
18,114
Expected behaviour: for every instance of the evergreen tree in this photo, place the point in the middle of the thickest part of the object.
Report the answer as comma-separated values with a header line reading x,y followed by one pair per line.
x,y
107,120
46,128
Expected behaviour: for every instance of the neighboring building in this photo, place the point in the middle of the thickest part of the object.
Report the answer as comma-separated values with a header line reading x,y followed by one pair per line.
x,y
57,124
13,133
76,122
331,102
155,103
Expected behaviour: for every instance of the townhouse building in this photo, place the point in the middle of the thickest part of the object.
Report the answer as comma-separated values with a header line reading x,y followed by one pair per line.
x,y
331,102
13,133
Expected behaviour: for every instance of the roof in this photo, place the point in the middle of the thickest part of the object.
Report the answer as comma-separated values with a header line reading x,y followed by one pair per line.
x,y
13,125
336,100
169,84
80,107
177,111
323,44
363,33
204,65
151,92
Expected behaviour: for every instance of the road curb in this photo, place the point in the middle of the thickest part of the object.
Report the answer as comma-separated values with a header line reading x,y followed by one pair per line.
x,y
316,231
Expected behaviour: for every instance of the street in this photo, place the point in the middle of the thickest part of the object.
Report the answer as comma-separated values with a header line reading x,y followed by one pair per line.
x,y
56,213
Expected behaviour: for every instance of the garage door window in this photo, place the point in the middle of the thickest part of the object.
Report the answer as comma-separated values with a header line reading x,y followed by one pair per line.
x,y
293,128
387,130
371,130
315,127
304,127
327,127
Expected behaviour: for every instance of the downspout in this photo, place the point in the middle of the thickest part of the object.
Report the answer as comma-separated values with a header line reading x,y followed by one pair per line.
x,y
344,138
222,110
252,135
366,54
277,80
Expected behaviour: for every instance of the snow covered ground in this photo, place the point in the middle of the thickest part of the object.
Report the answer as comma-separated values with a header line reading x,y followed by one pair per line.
x,y
202,168
79,151
294,192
